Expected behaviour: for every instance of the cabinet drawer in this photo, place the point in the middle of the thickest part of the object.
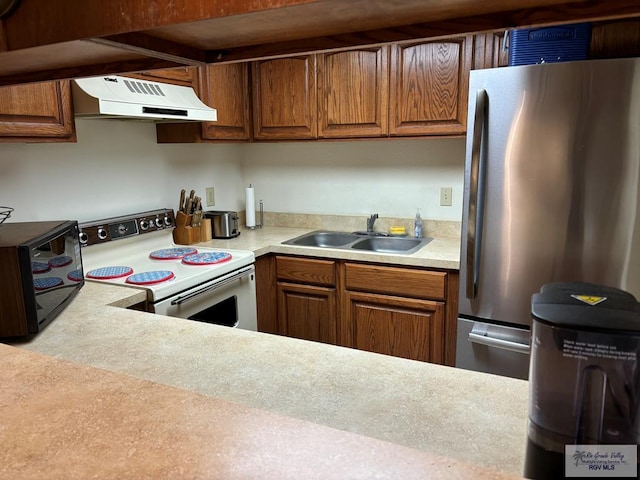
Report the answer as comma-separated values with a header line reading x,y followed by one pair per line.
x,y
396,281
306,270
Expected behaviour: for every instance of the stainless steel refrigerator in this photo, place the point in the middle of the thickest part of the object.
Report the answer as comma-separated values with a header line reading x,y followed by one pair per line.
x,y
552,193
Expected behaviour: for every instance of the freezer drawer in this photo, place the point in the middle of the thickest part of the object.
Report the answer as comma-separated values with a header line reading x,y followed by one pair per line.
x,y
491,348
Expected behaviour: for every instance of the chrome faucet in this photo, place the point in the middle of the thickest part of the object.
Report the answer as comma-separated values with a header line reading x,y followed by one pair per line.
x,y
370,221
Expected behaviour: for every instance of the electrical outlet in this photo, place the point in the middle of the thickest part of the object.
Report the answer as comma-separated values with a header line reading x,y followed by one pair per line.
x,y
211,197
445,196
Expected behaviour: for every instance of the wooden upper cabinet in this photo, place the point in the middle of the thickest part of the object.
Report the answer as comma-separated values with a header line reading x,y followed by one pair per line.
x,y
284,98
353,93
615,39
37,112
609,39
490,50
179,76
429,82
226,88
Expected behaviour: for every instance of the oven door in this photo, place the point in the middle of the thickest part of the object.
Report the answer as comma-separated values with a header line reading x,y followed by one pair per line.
x,y
228,300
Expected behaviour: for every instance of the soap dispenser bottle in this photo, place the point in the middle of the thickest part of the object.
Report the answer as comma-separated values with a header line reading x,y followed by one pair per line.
x,y
417,225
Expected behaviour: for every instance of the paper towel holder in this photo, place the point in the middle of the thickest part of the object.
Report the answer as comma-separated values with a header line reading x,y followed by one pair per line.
x,y
259,225
251,202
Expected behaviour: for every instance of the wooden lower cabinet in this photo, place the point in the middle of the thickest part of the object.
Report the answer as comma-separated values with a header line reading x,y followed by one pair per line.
x,y
266,294
394,310
402,327
401,311
306,298
307,312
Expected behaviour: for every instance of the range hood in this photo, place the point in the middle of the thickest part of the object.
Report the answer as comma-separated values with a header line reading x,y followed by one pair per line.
x,y
123,98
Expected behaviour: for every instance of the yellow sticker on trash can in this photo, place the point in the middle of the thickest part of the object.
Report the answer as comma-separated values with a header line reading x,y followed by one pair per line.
x,y
589,299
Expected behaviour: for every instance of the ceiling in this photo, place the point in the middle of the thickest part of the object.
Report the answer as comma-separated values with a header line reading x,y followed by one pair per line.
x,y
61,39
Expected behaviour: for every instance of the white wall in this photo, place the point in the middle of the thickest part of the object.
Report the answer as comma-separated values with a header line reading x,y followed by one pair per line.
x,y
116,168
388,177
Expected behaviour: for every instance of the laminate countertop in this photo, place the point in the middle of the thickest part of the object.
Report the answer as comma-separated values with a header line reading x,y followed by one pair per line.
x,y
441,252
109,392
266,406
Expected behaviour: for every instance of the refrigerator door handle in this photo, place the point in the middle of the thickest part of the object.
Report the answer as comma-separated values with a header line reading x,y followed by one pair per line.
x,y
476,191
481,337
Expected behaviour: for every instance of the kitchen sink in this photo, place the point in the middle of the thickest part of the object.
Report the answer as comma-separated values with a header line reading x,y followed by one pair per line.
x,y
390,244
321,238
379,243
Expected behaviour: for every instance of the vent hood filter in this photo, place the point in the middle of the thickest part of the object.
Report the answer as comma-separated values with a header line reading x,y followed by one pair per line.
x,y
129,98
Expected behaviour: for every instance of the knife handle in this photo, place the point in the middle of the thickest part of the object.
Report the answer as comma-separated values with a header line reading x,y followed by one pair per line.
x,y
183,193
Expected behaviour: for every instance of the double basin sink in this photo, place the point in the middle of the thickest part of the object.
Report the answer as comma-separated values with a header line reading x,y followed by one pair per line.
x,y
362,241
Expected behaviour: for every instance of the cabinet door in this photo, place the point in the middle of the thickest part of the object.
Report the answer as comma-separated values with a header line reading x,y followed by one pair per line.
x,y
307,312
284,98
37,112
353,93
266,294
226,88
402,327
490,50
429,82
615,39
180,76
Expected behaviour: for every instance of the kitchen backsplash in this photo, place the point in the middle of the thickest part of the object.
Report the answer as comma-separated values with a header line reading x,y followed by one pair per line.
x,y
346,223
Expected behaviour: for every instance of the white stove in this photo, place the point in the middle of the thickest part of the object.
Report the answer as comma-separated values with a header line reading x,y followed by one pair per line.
x,y
186,281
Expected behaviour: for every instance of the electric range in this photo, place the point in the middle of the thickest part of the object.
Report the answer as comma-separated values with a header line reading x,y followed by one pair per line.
x,y
186,281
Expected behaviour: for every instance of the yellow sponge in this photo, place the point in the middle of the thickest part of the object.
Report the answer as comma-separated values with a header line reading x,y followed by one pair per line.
x,y
397,231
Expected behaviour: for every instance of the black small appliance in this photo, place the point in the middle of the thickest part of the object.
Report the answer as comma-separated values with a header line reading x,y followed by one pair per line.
x,y
584,382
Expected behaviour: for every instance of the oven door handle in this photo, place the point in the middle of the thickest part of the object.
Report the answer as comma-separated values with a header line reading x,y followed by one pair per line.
x,y
214,284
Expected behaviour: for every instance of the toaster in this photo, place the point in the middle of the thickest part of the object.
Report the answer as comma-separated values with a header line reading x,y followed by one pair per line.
x,y
223,224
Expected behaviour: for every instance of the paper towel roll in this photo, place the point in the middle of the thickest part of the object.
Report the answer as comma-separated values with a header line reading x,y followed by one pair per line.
x,y
250,206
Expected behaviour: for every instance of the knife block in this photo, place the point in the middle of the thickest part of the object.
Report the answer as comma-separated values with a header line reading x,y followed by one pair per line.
x,y
206,233
185,234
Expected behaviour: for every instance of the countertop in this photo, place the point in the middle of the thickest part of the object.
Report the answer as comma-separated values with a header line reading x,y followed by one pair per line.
x,y
441,252
67,421
469,417
160,397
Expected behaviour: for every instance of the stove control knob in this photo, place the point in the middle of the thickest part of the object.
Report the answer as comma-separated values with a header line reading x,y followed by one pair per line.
x,y
167,221
144,224
84,238
159,223
102,233
122,229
